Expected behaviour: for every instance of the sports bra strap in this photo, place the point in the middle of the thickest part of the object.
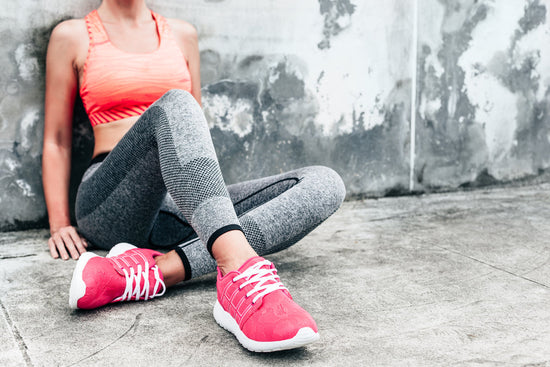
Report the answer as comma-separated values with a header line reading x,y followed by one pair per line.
x,y
96,32
162,24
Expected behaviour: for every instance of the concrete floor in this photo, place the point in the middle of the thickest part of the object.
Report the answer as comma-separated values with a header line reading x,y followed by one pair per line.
x,y
438,280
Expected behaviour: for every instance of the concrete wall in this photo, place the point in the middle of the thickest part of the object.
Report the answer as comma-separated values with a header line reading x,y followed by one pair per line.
x,y
483,78
289,83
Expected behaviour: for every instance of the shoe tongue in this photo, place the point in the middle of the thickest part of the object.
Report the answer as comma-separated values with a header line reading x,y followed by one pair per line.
x,y
127,260
251,262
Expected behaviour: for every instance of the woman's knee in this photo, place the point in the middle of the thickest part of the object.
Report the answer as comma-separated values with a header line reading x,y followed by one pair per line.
x,y
177,96
179,110
329,188
176,100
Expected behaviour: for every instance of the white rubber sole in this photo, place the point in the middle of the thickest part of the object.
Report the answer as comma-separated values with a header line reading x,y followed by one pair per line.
x,y
303,337
78,287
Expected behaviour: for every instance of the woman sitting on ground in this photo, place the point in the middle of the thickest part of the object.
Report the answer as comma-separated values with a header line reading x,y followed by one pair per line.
x,y
154,180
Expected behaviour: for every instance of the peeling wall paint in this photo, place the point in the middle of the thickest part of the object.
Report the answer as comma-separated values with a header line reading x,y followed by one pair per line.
x,y
25,27
291,83
325,82
337,18
485,75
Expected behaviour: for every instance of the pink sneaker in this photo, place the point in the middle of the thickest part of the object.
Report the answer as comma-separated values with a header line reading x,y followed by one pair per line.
x,y
254,305
127,273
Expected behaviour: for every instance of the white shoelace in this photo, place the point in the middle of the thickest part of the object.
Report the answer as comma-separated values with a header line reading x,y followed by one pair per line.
x,y
255,274
136,277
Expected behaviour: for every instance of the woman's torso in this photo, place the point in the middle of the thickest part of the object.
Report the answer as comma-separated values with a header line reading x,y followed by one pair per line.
x,y
122,44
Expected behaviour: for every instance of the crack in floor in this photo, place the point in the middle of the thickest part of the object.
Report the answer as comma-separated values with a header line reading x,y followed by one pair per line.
x,y
132,327
493,266
201,342
15,256
16,335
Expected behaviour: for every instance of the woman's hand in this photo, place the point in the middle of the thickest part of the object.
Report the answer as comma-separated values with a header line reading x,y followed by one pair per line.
x,y
65,241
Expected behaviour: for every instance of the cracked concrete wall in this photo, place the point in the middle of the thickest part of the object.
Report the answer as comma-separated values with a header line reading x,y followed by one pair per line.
x,y
484,88
291,83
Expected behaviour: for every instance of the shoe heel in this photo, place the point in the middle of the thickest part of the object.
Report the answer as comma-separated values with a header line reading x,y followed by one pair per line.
x,y
120,248
78,287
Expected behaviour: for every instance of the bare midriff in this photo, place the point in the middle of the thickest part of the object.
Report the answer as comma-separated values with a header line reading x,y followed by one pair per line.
x,y
108,135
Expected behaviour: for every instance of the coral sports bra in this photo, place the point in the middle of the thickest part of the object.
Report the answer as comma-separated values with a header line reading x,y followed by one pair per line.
x,y
118,84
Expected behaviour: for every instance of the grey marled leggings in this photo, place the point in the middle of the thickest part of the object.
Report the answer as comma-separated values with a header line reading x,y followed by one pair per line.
x,y
161,186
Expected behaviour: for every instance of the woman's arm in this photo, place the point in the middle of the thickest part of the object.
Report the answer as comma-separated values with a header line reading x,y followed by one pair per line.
x,y
187,38
61,89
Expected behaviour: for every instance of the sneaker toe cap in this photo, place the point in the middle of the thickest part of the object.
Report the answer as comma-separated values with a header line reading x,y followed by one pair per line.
x,y
278,318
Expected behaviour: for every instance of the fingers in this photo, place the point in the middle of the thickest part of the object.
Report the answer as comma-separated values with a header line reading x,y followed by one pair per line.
x,y
53,249
60,245
67,242
77,241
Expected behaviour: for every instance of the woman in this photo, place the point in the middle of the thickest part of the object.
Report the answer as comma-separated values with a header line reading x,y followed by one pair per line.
x,y
155,180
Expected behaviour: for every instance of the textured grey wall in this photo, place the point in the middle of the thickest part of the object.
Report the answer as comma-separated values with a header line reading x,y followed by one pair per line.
x,y
289,83
484,77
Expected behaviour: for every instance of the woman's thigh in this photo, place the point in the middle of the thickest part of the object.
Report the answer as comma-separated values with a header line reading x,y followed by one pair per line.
x,y
168,149
120,200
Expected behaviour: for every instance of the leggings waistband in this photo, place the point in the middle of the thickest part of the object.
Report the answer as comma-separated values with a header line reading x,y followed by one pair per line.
x,y
99,158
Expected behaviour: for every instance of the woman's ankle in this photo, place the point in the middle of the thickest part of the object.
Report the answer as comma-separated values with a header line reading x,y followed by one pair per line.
x,y
231,250
171,268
